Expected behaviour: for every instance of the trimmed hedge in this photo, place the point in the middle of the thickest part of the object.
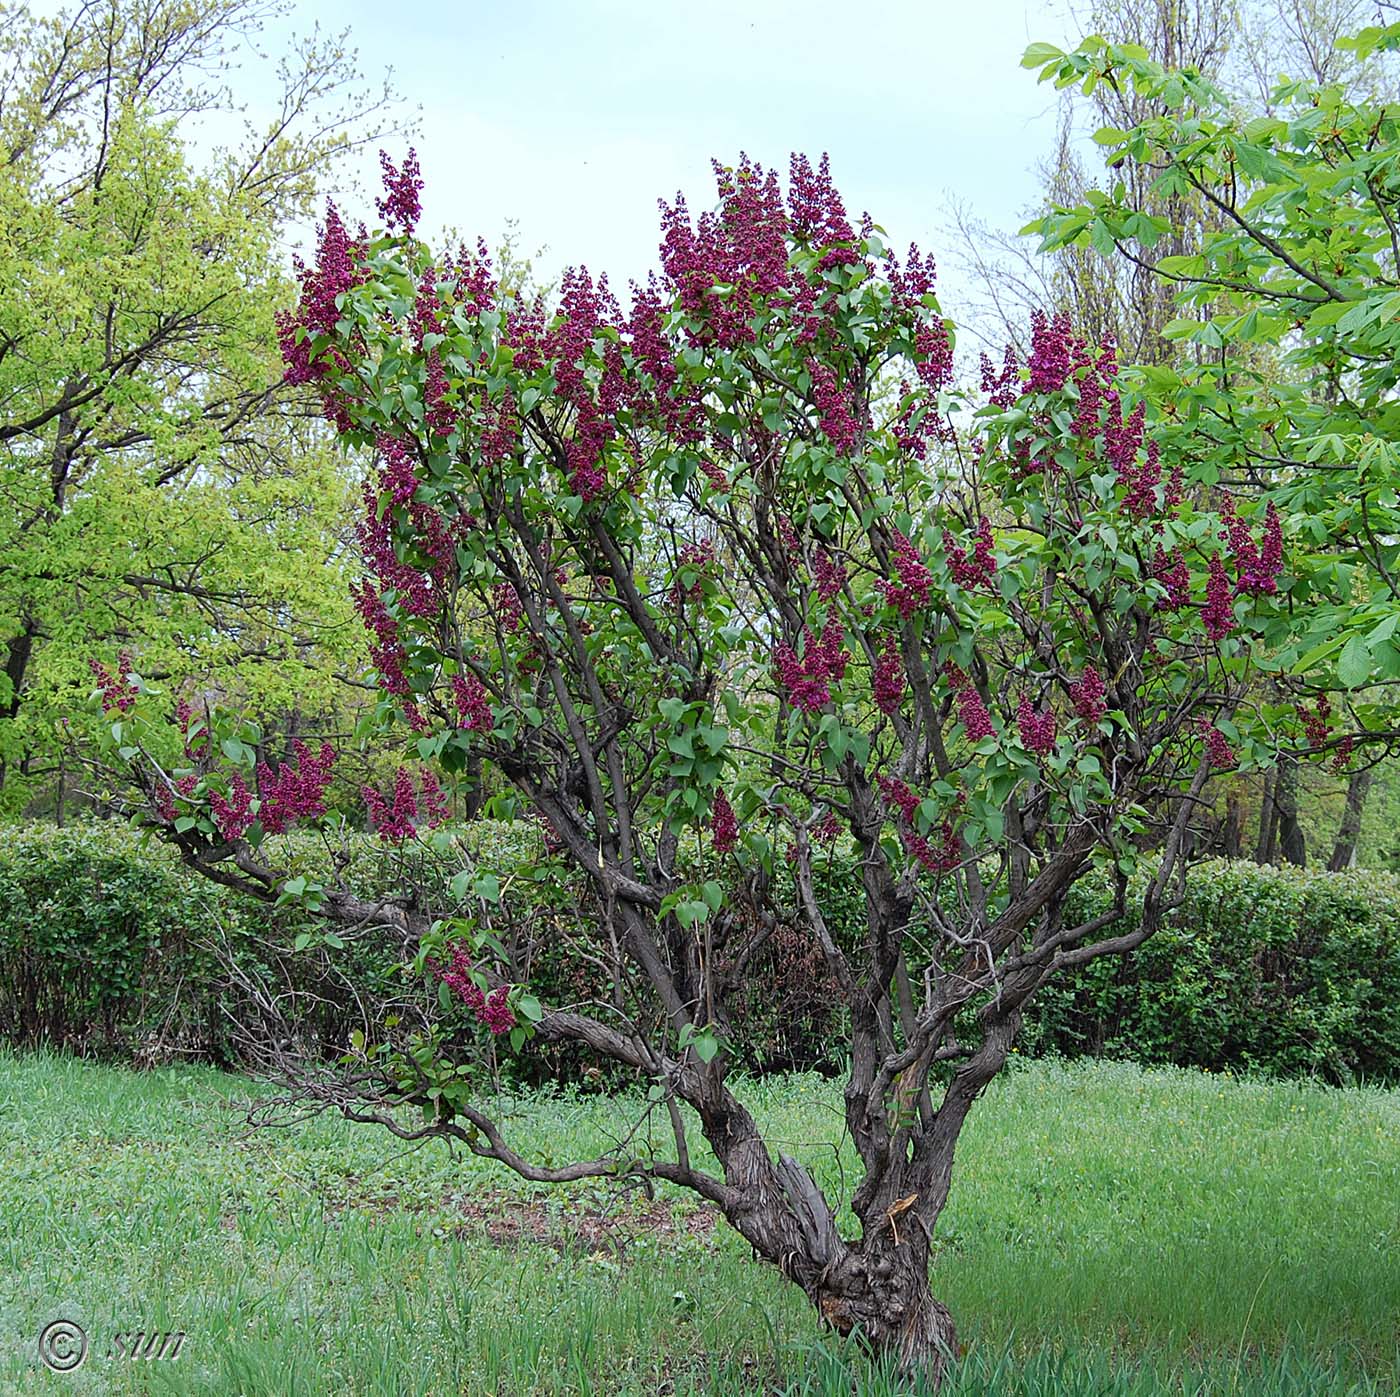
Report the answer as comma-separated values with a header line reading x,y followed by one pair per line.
x,y
1279,970
109,946
101,943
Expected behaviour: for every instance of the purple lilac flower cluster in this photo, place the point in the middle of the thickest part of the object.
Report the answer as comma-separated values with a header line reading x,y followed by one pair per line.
x,y
1038,730
724,826
888,682
397,817
942,858
911,592
978,569
808,678
493,1009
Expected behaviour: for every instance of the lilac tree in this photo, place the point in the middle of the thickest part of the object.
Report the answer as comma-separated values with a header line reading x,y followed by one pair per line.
x,y
705,584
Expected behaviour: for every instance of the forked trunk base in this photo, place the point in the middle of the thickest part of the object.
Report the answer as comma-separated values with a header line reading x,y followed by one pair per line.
x,y
885,1301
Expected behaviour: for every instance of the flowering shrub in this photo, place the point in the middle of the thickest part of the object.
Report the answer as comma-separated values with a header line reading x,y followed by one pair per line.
x,y
740,569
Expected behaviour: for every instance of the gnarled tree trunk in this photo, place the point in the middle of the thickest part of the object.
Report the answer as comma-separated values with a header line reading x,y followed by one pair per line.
x,y
875,1289
881,1292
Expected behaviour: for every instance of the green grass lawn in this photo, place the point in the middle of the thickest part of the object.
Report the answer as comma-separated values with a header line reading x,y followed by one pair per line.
x,y
1111,1231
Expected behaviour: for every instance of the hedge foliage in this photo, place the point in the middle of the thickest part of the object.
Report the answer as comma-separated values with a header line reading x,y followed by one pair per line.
x,y
109,946
101,943
1280,970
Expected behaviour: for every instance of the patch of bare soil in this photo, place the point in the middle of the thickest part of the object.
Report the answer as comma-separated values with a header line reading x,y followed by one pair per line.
x,y
573,1226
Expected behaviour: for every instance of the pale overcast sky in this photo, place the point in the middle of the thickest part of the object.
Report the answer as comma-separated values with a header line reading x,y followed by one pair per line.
x,y
573,118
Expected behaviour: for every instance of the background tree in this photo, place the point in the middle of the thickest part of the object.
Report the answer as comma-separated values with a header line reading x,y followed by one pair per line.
x,y
163,489
1114,291
1110,293
705,607
1156,220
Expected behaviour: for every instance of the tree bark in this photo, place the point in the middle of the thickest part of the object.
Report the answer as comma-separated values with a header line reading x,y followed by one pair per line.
x,y
1344,850
18,651
876,1289
881,1293
1234,825
1227,839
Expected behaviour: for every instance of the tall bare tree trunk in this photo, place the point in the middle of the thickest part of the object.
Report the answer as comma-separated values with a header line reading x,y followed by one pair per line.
x,y
1291,846
1229,839
1344,850
1268,820
18,651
